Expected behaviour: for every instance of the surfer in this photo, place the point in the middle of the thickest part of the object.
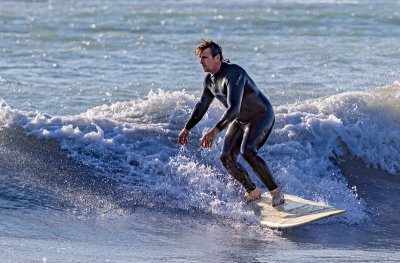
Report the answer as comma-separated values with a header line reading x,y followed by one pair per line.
x,y
249,116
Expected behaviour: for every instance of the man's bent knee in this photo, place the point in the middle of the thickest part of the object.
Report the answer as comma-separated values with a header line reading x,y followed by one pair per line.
x,y
249,154
227,158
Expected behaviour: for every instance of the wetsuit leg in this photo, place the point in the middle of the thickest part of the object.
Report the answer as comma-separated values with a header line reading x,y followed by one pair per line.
x,y
229,154
256,133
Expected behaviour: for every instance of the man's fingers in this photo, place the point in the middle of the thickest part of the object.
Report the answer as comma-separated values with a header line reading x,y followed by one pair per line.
x,y
204,141
207,141
182,140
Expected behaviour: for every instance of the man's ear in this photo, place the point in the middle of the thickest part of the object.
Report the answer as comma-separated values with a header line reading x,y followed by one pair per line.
x,y
218,57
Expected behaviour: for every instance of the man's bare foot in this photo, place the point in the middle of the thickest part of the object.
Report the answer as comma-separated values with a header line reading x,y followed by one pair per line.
x,y
252,196
277,197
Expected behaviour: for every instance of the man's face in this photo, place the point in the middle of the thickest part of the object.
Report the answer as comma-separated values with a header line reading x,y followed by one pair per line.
x,y
208,63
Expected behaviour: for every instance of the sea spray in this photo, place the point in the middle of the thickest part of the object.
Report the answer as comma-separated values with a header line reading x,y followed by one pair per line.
x,y
135,143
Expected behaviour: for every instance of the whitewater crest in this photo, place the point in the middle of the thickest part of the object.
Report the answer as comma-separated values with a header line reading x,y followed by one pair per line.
x,y
135,142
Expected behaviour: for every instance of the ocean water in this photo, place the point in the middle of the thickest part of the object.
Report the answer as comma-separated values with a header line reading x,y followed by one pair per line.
x,y
93,97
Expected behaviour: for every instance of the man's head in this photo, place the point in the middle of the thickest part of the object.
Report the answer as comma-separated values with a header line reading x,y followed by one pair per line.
x,y
214,48
210,54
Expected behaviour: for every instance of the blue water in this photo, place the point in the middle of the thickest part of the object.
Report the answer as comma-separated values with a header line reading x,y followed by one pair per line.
x,y
95,93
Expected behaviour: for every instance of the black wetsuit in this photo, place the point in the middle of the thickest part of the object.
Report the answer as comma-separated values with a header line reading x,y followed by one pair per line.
x,y
250,118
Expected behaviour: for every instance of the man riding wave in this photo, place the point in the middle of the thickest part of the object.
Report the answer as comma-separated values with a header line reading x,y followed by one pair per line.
x,y
249,118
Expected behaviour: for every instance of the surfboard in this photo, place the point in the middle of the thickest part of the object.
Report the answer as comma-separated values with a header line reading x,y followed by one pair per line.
x,y
294,212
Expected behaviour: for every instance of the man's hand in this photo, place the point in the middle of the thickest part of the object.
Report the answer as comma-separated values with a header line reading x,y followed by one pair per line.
x,y
182,138
209,138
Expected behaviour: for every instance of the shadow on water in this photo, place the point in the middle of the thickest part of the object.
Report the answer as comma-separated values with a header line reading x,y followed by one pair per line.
x,y
379,192
37,172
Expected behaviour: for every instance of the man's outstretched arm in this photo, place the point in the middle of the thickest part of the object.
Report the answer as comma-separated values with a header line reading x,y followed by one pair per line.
x,y
200,109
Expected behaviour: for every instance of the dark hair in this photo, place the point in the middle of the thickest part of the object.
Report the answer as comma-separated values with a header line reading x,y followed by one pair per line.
x,y
215,48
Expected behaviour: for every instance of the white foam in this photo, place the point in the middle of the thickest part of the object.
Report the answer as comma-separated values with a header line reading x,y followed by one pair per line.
x,y
136,142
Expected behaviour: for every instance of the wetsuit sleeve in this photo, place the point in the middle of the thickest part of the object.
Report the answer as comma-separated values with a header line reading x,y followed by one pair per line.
x,y
235,90
201,107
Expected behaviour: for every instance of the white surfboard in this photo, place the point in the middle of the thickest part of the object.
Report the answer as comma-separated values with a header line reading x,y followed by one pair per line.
x,y
294,212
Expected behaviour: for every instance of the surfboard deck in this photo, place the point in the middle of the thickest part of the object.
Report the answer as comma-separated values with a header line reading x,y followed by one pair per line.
x,y
294,212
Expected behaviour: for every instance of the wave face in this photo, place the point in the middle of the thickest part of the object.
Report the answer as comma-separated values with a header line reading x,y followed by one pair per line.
x,y
134,144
